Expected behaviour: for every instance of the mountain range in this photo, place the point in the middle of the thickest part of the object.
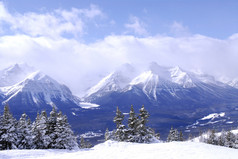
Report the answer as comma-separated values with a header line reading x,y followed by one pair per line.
x,y
173,96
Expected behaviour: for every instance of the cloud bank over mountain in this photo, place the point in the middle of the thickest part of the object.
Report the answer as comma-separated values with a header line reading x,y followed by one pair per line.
x,y
53,42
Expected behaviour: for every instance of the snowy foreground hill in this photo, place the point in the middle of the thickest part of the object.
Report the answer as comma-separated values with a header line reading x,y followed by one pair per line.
x,y
122,150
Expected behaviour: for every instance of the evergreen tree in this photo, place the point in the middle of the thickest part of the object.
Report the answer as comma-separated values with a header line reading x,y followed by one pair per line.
x,y
118,118
157,135
180,136
144,115
144,133
137,130
107,135
222,138
173,135
41,140
51,128
65,136
84,144
230,139
8,130
132,125
190,136
212,138
36,135
24,133
236,142
132,120
121,132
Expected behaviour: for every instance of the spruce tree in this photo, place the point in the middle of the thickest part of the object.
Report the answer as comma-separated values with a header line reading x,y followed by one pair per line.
x,y
120,133
84,144
41,140
173,135
230,139
118,118
107,135
36,135
132,125
212,138
144,133
65,136
132,120
51,128
8,130
236,142
24,133
222,138
180,136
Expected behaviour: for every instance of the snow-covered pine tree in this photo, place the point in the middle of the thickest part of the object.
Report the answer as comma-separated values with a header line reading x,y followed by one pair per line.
x,y
118,118
190,136
24,140
236,142
132,125
212,137
36,135
84,144
107,135
173,135
230,139
180,136
144,134
222,138
65,136
40,129
121,132
51,128
8,130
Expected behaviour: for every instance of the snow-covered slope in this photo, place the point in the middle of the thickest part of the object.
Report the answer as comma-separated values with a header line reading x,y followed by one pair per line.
x,y
14,74
120,150
115,81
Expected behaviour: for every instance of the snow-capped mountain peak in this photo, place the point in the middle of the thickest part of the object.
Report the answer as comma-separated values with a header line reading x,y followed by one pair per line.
x,y
144,78
14,74
39,87
181,77
115,81
149,82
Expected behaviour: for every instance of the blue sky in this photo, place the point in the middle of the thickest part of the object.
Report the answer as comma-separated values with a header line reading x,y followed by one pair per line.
x,y
214,18
86,40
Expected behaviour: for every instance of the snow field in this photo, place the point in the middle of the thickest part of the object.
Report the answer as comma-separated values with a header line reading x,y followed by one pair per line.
x,y
122,150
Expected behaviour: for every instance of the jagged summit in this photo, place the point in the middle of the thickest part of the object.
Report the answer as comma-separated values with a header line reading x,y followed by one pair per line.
x,y
157,84
115,81
14,74
39,88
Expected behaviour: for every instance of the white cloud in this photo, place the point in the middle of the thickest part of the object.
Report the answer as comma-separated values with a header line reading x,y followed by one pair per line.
x,y
136,26
53,24
179,30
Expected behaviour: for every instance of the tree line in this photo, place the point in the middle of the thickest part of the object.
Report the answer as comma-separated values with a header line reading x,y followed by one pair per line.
x,y
136,130
227,139
53,132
